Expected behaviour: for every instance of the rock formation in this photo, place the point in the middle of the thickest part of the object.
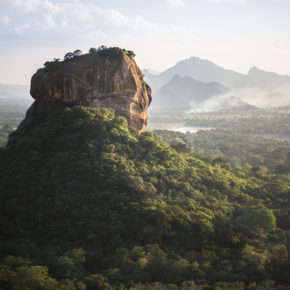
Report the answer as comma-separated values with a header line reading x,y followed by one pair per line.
x,y
107,78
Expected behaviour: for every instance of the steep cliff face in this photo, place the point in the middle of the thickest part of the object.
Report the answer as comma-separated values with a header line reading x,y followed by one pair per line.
x,y
108,79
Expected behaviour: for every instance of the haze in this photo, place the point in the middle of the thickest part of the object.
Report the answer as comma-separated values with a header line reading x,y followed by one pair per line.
x,y
235,34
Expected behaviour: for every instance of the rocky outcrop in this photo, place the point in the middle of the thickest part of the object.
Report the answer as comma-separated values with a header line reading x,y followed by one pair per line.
x,y
108,78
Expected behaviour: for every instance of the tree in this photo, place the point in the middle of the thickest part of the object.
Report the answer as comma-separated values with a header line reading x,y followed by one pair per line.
x,y
97,281
46,64
93,50
180,148
131,54
50,65
256,216
69,56
102,47
77,52
260,171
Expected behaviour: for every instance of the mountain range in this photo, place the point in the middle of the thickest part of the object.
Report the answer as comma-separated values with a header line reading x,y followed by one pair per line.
x,y
199,80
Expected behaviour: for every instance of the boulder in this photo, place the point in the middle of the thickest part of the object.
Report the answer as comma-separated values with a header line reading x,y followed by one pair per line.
x,y
103,79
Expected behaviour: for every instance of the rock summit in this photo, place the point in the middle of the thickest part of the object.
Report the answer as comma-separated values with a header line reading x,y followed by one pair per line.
x,y
103,78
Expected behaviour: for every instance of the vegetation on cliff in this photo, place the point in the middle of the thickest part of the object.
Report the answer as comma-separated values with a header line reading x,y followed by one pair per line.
x,y
102,51
87,202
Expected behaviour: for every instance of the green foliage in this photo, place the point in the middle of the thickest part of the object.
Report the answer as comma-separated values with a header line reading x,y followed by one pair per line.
x,y
51,65
17,273
90,203
68,56
93,50
255,217
77,55
144,85
10,117
265,122
130,53
257,138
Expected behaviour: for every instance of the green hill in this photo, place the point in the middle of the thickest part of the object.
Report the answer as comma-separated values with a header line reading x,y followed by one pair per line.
x,y
87,203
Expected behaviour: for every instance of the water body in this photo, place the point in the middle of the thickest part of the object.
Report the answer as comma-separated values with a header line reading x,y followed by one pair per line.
x,y
190,129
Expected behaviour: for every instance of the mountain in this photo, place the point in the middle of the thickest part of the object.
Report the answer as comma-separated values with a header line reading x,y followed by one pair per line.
x,y
183,92
258,87
268,80
200,70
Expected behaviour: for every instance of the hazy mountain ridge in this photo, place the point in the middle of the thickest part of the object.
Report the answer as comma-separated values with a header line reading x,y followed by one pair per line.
x,y
258,87
259,77
200,70
182,92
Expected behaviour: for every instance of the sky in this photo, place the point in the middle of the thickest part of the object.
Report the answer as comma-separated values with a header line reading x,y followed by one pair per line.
x,y
235,34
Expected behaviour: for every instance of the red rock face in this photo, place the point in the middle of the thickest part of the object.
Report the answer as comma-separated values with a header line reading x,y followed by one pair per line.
x,y
98,81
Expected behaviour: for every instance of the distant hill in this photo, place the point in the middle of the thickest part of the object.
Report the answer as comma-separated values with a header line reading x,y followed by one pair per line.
x,y
182,92
200,70
258,87
264,79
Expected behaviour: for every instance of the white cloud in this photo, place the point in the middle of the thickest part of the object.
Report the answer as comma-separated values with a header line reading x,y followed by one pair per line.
x,y
5,20
86,24
29,6
117,19
77,11
49,21
176,2
83,19
19,29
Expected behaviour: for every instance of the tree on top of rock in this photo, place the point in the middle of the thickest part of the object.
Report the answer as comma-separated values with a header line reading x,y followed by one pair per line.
x,y
93,50
102,47
69,56
77,52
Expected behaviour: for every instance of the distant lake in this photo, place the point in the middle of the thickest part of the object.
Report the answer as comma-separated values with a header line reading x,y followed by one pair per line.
x,y
190,129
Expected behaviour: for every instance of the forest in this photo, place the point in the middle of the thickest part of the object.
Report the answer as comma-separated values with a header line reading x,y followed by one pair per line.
x,y
87,203
257,137
10,117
